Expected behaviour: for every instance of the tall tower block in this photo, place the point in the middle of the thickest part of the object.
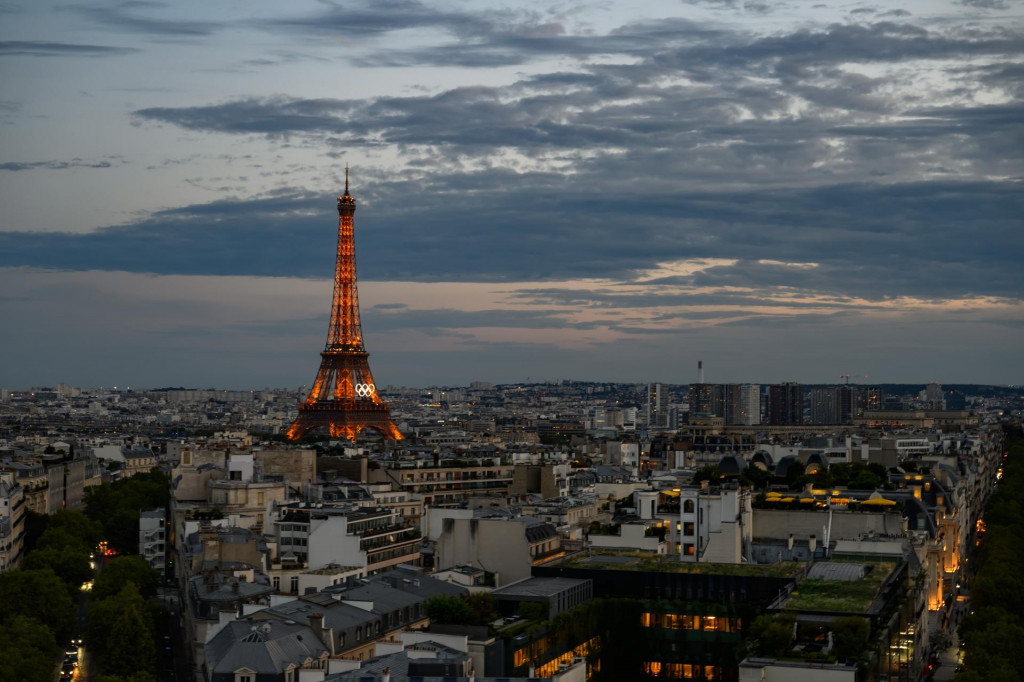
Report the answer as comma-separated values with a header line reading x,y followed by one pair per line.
x,y
344,398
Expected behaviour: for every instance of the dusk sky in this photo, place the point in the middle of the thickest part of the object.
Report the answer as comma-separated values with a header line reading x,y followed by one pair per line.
x,y
608,191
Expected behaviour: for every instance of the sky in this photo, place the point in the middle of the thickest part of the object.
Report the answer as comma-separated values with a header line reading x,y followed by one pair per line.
x,y
790,190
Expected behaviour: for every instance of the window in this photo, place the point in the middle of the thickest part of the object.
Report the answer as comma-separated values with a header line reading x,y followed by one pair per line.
x,y
277,584
688,549
359,633
688,528
295,585
688,506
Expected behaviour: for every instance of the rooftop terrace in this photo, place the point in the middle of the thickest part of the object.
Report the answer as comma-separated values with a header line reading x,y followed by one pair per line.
x,y
636,560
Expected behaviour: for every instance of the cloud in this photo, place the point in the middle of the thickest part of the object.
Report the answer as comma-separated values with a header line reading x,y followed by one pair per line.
x,y
868,241
60,165
125,17
985,4
35,48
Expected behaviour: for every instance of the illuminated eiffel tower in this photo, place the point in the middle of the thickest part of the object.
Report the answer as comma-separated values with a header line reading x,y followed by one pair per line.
x,y
344,398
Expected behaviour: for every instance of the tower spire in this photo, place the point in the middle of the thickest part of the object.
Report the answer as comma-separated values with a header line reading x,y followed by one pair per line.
x,y
344,398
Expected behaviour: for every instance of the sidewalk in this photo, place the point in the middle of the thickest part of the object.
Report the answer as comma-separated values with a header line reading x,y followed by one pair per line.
x,y
948,656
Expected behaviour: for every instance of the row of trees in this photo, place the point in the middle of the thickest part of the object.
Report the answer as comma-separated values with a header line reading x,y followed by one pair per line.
x,y
122,619
855,476
992,633
40,600
116,507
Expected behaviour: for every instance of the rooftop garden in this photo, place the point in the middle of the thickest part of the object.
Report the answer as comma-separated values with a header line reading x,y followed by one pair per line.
x,y
843,596
637,560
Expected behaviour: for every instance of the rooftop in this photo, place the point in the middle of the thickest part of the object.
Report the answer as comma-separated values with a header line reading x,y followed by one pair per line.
x,y
840,587
637,560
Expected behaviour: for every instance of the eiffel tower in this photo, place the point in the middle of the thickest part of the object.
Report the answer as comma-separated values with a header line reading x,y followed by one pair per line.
x,y
344,398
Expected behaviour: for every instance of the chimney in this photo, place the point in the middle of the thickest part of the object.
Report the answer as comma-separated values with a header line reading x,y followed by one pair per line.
x,y
326,635
387,675
812,544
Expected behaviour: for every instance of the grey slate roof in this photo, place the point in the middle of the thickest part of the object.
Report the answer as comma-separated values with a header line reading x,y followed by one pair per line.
x,y
401,666
266,648
337,614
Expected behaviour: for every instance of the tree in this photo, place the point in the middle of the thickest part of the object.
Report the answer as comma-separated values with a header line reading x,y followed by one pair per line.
x,y
116,507
122,570
448,610
850,636
483,607
119,631
72,523
50,602
710,473
69,563
533,610
774,636
28,650
35,526
865,479
758,477
794,475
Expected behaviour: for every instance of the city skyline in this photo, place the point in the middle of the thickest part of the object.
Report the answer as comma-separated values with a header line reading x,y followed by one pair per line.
x,y
581,192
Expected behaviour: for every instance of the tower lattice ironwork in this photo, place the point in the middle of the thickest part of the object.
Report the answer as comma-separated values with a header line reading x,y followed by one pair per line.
x,y
344,398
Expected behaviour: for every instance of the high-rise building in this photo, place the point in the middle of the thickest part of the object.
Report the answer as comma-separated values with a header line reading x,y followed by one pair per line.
x,y
786,404
832,405
657,406
749,411
822,402
870,399
702,400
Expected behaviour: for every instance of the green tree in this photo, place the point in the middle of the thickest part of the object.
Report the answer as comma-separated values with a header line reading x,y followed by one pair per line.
x,y
69,563
28,650
533,610
773,636
116,507
865,479
850,636
795,475
72,523
122,570
35,526
38,594
758,477
119,631
483,607
710,473
447,610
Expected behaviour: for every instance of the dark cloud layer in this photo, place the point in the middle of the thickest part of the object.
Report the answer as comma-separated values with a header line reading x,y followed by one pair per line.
x,y
793,147
873,241
35,48
57,165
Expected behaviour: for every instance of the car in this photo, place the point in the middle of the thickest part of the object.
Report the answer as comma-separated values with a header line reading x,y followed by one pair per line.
x,y
65,678
168,652
71,650
68,666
